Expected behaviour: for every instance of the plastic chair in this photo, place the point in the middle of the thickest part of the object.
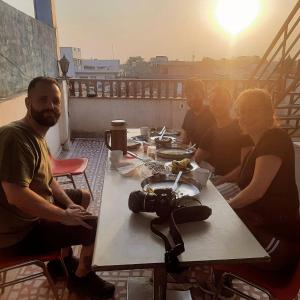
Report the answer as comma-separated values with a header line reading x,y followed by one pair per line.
x,y
69,168
9,262
279,286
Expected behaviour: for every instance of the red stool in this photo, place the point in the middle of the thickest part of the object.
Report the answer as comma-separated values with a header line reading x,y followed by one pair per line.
x,y
8,262
279,286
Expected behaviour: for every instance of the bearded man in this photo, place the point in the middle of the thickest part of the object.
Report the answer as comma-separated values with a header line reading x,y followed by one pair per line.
x,y
36,214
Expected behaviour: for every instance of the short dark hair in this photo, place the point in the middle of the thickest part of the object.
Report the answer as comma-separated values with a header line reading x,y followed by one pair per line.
x,y
44,79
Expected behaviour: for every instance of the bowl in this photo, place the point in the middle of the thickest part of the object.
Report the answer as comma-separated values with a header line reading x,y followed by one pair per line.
x,y
165,142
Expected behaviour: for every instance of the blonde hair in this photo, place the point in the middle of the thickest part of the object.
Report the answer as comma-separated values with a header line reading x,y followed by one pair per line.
x,y
259,99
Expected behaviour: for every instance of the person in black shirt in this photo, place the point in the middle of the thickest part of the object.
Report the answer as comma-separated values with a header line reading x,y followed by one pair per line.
x,y
268,202
198,118
223,144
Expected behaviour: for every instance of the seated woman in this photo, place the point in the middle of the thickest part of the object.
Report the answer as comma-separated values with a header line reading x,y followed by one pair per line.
x,y
223,145
268,202
198,118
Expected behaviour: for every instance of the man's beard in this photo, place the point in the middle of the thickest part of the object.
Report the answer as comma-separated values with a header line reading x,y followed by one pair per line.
x,y
46,117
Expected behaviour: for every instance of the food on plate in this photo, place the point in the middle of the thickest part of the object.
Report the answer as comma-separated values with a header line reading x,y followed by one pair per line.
x,y
181,165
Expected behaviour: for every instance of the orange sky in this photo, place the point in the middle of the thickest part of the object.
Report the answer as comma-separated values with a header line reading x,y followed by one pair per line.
x,y
107,29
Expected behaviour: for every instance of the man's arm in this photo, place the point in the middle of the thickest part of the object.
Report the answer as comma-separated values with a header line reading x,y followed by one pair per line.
x,y
232,176
59,194
201,155
266,168
32,204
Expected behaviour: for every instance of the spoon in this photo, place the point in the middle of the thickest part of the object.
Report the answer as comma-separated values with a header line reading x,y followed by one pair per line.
x,y
175,185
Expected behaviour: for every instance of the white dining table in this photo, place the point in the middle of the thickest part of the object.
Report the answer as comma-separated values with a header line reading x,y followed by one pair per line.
x,y
124,240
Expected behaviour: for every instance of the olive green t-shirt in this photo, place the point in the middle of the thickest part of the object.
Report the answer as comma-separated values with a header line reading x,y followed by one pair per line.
x,y
24,160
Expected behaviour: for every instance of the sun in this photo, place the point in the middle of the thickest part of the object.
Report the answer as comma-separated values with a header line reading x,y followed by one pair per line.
x,y
235,15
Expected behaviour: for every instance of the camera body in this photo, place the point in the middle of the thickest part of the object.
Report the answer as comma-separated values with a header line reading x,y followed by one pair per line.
x,y
161,201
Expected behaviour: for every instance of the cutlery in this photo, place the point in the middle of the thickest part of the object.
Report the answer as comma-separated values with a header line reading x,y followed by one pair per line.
x,y
175,185
162,130
162,134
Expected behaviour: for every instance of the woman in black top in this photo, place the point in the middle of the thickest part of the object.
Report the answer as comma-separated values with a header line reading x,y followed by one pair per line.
x,y
268,202
223,144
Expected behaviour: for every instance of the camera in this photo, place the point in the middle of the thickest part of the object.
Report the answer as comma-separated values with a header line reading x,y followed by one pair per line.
x,y
160,201
165,201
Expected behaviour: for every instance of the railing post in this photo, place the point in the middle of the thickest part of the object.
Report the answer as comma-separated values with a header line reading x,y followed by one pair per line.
x,y
174,89
167,88
159,84
143,89
134,89
127,88
151,88
80,88
71,88
111,88
119,91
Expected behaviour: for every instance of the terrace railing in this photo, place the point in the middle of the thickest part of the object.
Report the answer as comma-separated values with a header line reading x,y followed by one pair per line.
x,y
154,88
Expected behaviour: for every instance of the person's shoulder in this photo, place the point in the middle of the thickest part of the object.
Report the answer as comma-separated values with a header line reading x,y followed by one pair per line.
x,y
277,133
13,130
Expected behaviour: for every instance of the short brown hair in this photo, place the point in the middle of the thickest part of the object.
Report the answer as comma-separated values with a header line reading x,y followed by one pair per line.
x,y
194,85
44,79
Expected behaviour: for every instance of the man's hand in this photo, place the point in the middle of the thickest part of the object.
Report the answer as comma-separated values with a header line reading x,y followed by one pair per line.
x,y
218,180
75,215
73,206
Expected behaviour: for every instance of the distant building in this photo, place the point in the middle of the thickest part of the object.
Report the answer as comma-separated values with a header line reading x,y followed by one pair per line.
x,y
90,68
159,59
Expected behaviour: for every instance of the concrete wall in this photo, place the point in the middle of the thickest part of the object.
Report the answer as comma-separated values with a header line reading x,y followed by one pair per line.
x,y
28,49
92,116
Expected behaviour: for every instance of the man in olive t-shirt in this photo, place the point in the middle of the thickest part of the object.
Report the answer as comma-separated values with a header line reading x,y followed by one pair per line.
x,y
36,214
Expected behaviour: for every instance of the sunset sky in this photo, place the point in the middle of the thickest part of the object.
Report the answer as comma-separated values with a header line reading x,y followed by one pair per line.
x,y
180,29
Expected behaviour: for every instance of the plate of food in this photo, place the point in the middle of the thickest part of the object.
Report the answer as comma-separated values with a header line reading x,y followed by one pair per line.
x,y
186,186
185,165
175,153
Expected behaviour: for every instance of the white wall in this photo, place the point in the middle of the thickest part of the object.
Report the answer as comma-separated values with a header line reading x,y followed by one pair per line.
x,y
90,115
15,109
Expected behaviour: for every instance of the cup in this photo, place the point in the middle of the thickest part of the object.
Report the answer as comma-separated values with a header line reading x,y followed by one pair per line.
x,y
145,132
115,157
202,175
151,152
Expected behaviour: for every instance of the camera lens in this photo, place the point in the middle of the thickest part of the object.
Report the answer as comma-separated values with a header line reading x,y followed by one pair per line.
x,y
141,202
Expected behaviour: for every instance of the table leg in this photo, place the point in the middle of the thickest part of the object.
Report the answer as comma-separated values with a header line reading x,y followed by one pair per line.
x,y
160,283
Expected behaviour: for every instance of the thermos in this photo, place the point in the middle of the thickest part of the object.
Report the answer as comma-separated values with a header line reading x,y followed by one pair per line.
x,y
117,136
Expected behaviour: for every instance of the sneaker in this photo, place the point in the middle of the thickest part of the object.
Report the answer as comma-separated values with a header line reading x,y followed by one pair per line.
x,y
56,269
91,285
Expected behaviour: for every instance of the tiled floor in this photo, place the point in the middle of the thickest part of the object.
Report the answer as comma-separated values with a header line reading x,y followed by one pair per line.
x,y
95,150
